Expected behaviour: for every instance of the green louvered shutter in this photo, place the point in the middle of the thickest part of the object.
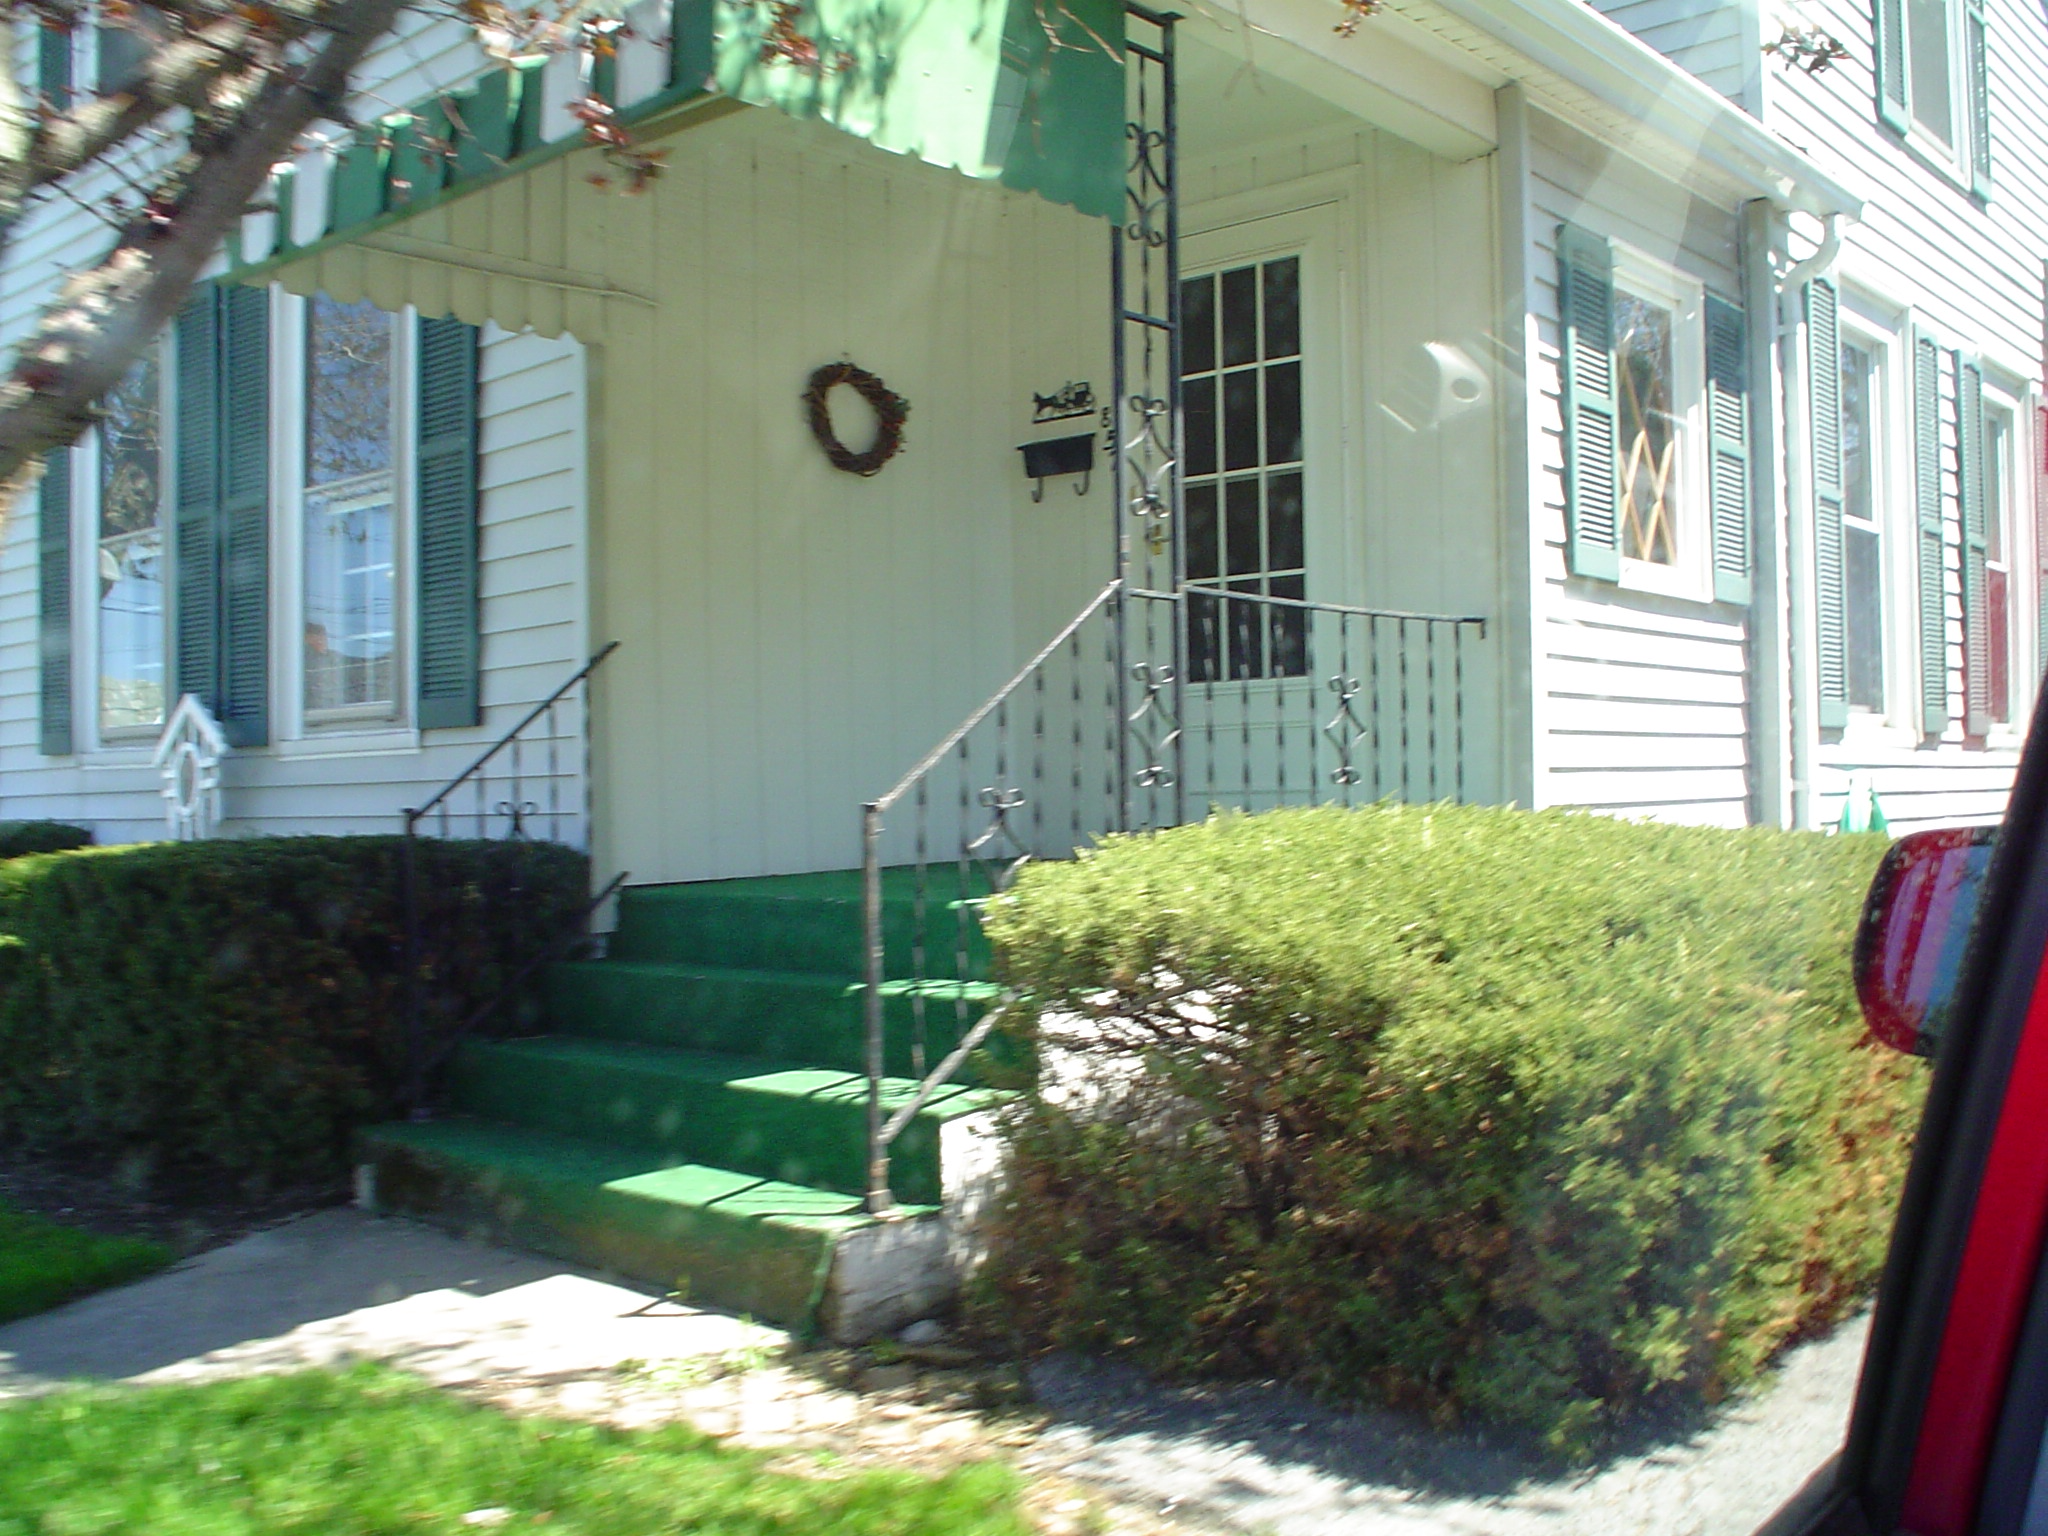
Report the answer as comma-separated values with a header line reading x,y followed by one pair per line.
x,y
244,696
1592,453
53,66
1728,448
196,513
1977,88
1824,397
1975,515
53,545
449,642
1888,54
1927,508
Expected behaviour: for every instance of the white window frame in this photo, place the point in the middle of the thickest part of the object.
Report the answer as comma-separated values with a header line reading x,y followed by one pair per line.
x,y
1885,332
1888,483
127,741
1952,159
2007,397
351,727
1690,575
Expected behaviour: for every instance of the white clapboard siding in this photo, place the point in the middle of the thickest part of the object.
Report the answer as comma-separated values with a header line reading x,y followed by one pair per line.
x,y
1643,702
1971,275
1714,39
533,618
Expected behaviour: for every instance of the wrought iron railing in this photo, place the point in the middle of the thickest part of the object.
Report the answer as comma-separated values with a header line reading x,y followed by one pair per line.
x,y
1261,702
534,778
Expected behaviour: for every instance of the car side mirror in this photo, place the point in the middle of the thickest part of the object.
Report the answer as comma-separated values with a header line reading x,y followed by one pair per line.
x,y
1916,923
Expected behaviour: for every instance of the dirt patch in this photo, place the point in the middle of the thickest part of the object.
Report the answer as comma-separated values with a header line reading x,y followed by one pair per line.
x,y
121,1199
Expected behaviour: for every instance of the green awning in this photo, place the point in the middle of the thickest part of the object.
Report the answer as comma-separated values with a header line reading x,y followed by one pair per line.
x,y
1030,92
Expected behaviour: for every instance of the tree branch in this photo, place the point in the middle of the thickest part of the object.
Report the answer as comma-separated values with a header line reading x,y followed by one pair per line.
x,y
92,336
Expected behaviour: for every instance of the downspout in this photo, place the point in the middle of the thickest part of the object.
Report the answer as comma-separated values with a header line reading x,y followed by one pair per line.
x,y
1799,554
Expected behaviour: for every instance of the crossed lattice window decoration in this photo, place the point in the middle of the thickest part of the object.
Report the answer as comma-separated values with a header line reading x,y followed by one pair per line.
x,y
1650,458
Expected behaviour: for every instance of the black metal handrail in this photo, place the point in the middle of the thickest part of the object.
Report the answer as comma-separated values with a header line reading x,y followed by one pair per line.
x,y
1190,702
517,811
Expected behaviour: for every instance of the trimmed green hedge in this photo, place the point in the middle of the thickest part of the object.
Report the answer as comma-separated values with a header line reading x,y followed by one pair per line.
x,y
236,1007
21,837
1528,1117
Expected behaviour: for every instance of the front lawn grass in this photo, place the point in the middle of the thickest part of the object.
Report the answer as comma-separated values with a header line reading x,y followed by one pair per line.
x,y
368,1450
44,1263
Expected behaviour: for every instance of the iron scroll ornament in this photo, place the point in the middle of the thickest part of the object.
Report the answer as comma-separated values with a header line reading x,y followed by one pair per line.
x,y
889,407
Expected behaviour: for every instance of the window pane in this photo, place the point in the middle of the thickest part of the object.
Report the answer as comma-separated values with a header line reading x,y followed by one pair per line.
x,y
1927,41
1997,510
350,569
1240,316
1858,466
348,601
1283,307
1203,562
1241,420
1283,413
1198,325
348,390
1198,415
1283,522
1649,430
1863,578
130,555
1241,527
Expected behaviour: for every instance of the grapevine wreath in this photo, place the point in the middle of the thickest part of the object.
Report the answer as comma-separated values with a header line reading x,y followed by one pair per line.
x,y
890,410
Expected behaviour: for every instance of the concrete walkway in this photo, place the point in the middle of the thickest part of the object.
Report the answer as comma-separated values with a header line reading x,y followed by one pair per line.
x,y
535,1334
340,1285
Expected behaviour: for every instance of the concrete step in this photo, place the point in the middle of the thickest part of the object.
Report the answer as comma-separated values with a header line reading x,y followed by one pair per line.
x,y
800,1125
808,922
787,1016
799,1257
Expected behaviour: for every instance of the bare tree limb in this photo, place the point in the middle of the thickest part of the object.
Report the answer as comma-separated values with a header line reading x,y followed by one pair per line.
x,y
106,315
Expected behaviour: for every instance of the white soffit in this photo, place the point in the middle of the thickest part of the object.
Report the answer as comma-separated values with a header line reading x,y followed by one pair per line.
x,y
1420,68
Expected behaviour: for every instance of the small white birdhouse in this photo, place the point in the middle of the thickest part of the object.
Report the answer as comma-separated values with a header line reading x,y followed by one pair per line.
x,y
188,756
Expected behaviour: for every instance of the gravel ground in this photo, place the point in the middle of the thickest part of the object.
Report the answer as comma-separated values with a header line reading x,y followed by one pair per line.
x,y
1264,1459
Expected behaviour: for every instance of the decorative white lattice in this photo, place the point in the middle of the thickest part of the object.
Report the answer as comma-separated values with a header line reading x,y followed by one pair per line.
x,y
188,756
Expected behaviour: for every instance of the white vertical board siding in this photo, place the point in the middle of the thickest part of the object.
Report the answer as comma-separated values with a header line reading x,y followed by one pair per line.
x,y
794,637
1714,39
1643,709
1971,273
531,529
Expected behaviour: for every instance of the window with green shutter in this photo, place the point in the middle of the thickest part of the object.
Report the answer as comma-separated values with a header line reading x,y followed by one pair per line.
x,y
1931,553
1592,450
53,565
1728,448
221,465
53,66
1933,78
1654,376
1824,401
450,646
1970,483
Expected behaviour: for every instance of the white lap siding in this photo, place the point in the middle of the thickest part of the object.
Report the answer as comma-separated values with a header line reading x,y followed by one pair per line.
x,y
1640,698
1718,40
1969,271
533,618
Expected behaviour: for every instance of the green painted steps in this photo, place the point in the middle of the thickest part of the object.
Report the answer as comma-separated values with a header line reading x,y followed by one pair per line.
x,y
721,1238
799,1125
794,1016
699,1108
805,923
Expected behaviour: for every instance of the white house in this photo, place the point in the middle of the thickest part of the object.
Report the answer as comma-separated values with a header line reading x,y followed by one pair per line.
x,y
1427,397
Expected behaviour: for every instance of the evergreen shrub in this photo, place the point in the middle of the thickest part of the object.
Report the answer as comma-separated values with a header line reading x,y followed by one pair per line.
x,y
236,1007
20,837
1531,1118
